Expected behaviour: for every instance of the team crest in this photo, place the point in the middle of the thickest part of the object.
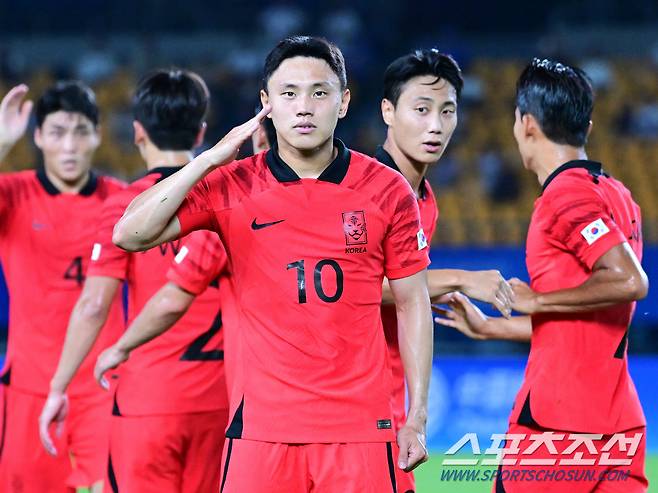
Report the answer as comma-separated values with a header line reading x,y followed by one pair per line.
x,y
354,226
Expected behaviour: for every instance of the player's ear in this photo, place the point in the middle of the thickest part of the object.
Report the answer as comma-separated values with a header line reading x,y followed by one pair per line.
x,y
202,133
97,136
38,137
265,99
140,133
344,103
589,127
530,125
388,111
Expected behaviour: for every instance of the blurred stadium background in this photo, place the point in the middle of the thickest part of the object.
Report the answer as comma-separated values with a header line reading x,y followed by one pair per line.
x,y
485,196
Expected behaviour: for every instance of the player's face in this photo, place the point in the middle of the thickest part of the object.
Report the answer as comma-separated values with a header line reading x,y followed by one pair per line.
x,y
306,100
68,141
424,118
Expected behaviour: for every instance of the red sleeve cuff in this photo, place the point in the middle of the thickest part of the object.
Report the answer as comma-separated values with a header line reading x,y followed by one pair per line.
x,y
601,246
409,270
186,284
107,271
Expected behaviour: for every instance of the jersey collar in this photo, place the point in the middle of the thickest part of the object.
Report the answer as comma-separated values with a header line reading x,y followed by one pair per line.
x,y
51,189
594,168
384,157
333,173
164,171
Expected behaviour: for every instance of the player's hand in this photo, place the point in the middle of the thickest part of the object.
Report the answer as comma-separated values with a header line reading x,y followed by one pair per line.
x,y
413,450
525,299
14,115
108,360
227,149
54,410
464,316
490,286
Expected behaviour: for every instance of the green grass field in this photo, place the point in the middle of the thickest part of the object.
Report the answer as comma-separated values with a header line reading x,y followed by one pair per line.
x,y
428,478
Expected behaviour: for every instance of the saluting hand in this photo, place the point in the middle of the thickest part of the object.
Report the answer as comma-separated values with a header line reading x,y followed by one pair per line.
x,y
226,150
14,115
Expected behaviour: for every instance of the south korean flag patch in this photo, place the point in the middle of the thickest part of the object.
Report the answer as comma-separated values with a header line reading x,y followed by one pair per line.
x,y
594,230
422,239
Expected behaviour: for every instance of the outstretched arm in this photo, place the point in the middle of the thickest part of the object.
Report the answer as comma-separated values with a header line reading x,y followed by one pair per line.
x,y
467,318
483,285
150,219
161,312
617,277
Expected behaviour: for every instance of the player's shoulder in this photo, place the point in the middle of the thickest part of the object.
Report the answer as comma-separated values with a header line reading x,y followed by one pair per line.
x,y
110,185
367,172
573,184
18,178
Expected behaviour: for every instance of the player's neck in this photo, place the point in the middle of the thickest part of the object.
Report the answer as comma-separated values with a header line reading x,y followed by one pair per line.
x,y
413,171
308,163
553,157
156,158
72,187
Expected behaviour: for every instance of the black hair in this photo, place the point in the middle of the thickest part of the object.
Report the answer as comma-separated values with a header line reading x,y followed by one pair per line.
x,y
70,95
171,105
305,46
421,62
560,97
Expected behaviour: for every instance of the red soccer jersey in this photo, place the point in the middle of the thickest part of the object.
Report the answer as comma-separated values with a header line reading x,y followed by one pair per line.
x,y
45,240
308,257
577,374
182,370
429,214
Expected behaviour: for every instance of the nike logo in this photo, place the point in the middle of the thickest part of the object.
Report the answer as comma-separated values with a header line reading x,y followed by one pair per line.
x,y
255,226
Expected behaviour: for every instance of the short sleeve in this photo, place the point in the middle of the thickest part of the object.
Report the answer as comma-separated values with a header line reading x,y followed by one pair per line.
x,y
196,212
107,259
582,223
406,249
200,261
10,191
6,192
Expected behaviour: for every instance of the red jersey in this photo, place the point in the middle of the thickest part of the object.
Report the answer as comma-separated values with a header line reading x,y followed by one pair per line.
x,y
429,214
308,257
45,240
180,371
577,374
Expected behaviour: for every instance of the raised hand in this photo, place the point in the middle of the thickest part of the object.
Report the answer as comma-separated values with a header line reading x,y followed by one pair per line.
x,y
226,150
54,410
14,115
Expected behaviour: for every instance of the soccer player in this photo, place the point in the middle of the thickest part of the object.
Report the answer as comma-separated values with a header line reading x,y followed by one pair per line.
x,y
421,92
310,228
170,406
47,219
583,255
